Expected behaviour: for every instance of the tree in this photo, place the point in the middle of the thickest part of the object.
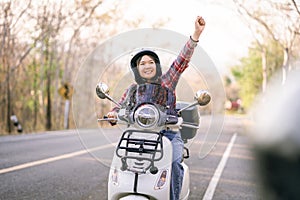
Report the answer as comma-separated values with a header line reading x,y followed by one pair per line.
x,y
42,45
12,56
278,19
51,19
249,73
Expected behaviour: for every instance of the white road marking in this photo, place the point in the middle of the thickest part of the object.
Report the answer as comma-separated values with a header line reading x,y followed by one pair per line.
x,y
216,177
52,159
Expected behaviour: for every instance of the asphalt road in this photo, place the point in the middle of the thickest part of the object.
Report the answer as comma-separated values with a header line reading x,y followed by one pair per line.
x,y
74,164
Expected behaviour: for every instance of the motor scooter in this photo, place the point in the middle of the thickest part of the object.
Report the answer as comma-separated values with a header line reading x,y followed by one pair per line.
x,y
142,163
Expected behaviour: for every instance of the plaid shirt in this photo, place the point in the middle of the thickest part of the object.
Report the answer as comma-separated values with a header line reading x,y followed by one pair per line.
x,y
165,94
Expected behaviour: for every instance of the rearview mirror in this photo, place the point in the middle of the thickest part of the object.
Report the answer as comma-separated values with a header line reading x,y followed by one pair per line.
x,y
202,97
102,90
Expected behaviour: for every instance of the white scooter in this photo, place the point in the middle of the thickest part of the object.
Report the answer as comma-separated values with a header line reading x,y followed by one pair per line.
x,y
142,162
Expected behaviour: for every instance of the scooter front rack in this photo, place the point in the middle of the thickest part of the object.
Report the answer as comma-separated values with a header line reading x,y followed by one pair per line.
x,y
139,150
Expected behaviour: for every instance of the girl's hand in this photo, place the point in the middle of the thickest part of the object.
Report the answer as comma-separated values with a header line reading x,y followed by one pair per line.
x,y
112,115
199,27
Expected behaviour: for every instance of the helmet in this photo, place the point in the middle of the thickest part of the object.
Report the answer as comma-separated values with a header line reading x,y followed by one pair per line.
x,y
133,64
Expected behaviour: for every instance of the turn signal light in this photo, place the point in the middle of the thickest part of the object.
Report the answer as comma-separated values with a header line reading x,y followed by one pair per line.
x,y
162,180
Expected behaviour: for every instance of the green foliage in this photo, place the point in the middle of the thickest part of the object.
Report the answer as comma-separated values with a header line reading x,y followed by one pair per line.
x,y
248,73
43,46
274,58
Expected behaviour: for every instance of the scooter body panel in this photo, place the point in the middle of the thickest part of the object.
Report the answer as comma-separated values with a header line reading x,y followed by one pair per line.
x,y
128,183
185,190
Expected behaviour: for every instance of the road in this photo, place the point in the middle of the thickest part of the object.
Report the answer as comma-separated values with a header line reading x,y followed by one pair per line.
x,y
74,165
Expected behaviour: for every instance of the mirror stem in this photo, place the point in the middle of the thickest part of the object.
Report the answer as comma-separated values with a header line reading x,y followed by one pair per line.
x,y
115,102
188,106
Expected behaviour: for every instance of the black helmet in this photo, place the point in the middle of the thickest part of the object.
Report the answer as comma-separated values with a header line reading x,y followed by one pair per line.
x,y
133,64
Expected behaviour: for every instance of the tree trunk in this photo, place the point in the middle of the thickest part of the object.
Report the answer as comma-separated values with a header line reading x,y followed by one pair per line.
x,y
35,101
8,101
264,69
48,112
48,85
285,65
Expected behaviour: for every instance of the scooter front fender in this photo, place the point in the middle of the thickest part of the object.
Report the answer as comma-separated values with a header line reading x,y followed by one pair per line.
x,y
121,184
134,197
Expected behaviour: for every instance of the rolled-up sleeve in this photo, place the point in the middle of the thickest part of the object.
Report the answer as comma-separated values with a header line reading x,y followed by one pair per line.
x,y
171,77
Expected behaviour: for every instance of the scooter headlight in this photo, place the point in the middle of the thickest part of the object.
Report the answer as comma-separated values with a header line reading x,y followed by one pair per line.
x,y
146,116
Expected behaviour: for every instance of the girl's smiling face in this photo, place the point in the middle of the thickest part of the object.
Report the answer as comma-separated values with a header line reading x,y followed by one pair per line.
x,y
147,67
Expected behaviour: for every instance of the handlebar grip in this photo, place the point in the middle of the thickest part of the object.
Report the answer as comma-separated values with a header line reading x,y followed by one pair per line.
x,y
110,120
105,118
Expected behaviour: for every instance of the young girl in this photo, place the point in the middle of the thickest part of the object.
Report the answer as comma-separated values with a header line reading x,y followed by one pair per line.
x,y
147,70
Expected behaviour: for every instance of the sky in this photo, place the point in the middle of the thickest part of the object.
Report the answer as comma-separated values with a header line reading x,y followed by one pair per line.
x,y
225,39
